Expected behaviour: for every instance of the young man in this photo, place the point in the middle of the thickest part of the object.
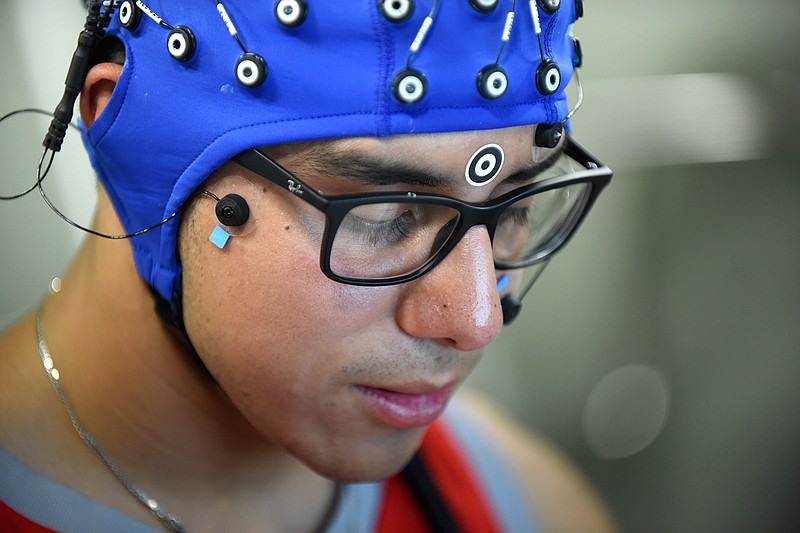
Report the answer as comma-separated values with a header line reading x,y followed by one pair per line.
x,y
350,192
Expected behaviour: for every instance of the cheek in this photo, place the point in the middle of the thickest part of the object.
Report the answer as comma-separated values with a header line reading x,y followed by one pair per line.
x,y
245,312
278,336
268,294
248,306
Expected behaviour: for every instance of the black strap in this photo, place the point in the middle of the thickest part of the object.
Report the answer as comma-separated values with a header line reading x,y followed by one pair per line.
x,y
428,496
171,315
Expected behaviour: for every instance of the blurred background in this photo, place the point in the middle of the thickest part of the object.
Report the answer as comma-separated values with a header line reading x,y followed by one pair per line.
x,y
661,349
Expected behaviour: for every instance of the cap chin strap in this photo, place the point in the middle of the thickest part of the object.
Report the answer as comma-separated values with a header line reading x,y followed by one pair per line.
x,y
171,315
428,496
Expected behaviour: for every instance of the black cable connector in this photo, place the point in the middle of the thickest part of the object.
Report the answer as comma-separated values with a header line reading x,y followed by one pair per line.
x,y
93,30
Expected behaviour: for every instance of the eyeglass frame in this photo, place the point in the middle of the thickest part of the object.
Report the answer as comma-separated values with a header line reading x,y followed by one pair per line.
x,y
336,207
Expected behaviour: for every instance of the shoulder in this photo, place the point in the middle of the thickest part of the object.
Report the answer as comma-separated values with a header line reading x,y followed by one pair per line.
x,y
559,497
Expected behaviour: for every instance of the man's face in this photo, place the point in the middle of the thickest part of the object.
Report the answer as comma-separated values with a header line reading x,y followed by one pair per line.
x,y
345,378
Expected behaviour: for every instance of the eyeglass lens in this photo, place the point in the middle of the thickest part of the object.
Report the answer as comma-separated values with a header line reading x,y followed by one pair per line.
x,y
533,227
389,239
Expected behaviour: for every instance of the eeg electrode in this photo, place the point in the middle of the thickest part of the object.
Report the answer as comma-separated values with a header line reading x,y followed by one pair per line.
x,y
484,165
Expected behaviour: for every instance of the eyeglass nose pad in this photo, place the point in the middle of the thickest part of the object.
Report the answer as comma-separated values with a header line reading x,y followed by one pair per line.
x,y
442,235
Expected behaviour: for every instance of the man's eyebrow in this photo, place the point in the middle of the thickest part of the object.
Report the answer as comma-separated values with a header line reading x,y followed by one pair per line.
x,y
531,171
364,168
367,169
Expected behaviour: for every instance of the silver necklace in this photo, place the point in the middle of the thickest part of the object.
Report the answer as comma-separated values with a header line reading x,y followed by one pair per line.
x,y
171,521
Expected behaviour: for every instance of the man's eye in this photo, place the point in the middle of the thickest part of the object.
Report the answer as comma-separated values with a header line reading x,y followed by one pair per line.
x,y
382,224
519,215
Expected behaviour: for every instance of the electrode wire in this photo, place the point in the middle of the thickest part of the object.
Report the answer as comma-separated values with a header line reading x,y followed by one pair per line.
x,y
507,30
40,175
537,26
74,224
155,18
229,24
422,33
579,101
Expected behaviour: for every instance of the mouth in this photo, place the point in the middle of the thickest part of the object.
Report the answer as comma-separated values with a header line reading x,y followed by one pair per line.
x,y
406,409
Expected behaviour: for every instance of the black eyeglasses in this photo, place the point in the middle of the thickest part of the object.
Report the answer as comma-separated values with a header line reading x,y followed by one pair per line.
x,y
390,238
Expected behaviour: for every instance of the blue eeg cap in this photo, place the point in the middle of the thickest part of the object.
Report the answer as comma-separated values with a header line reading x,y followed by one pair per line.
x,y
170,123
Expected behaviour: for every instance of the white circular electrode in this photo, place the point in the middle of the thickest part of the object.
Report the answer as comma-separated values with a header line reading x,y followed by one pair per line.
x,y
181,43
290,12
492,82
397,10
409,86
548,78
129,15
251,70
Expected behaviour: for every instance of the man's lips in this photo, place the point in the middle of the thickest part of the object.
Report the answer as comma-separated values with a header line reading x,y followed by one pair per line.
x,y
405,410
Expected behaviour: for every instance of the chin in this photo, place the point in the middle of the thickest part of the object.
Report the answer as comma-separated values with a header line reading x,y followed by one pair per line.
x,y
365,462
363,473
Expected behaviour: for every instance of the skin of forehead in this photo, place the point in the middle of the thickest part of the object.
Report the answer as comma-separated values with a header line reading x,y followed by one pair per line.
x,y
436,153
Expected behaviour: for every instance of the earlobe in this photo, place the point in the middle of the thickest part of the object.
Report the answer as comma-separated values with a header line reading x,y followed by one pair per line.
x,y
97,89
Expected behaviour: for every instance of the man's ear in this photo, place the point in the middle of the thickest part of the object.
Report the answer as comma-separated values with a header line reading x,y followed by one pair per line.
x,y
97,89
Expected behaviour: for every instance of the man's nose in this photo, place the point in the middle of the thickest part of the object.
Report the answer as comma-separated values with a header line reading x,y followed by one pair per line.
x,y
457,302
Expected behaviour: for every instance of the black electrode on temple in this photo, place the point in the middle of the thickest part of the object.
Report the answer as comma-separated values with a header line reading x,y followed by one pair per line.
x,y
548,135
232,210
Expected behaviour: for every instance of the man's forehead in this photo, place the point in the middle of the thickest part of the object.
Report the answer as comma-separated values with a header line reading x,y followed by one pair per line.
x,y
421,150
446,162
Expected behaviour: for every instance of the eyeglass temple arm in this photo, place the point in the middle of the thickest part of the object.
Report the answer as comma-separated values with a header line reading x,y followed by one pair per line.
x,y
581,155
256,161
